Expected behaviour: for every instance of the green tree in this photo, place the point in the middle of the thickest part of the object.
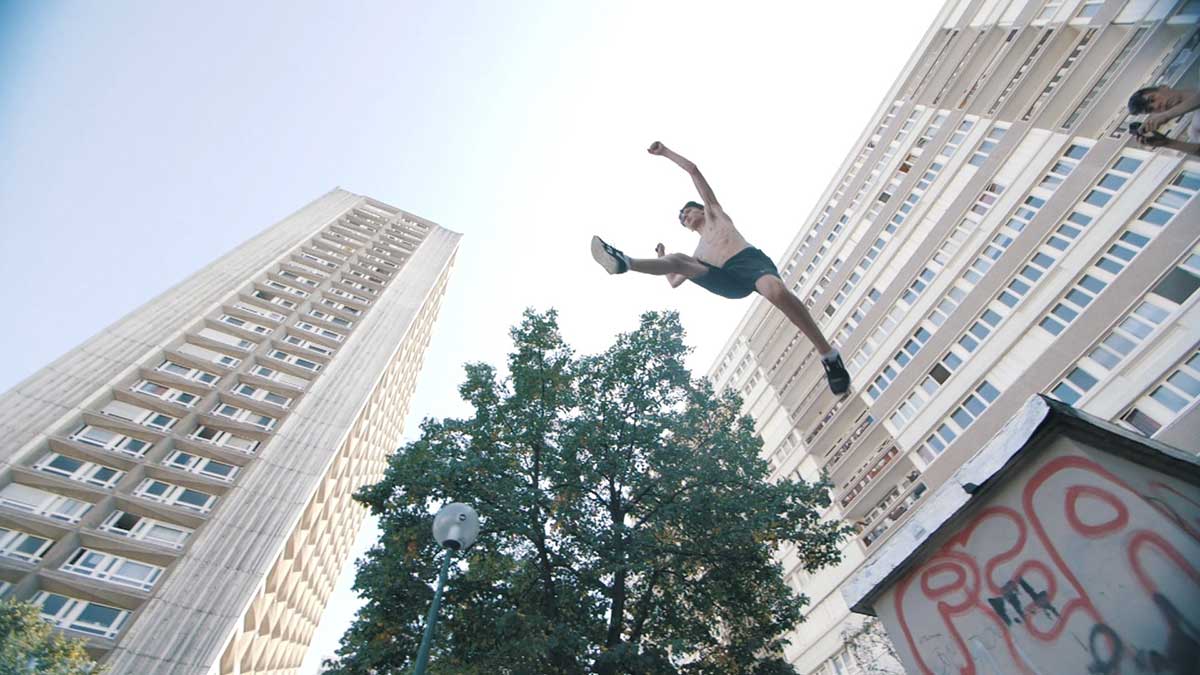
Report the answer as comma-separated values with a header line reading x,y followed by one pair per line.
x,y
29,645
627,525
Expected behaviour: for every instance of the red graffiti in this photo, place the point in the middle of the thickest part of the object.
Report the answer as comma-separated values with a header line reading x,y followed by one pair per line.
x,y
1006,568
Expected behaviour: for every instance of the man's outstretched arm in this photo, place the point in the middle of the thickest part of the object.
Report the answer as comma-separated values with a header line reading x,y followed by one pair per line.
x,y
706,193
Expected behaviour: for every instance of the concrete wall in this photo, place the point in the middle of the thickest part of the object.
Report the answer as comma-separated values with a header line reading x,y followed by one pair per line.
x,y
1080,562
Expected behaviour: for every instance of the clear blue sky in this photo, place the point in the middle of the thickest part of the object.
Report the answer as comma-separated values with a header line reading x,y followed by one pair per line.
x,y
139,141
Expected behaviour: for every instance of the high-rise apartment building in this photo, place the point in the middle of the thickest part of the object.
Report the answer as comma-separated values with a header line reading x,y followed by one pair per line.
x,y
177,489
993,234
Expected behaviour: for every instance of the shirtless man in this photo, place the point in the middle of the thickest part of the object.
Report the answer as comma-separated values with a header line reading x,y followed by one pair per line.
x,y
726,264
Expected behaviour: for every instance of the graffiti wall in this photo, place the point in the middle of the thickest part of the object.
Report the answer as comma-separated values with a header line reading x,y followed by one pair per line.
x,y
1082,562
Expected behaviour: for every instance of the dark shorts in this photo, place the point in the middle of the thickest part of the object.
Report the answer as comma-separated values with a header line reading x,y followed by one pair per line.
x,y
735,279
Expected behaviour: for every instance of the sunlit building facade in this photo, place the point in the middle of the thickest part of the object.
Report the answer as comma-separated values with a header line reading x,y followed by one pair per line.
x,y
177,489
993,234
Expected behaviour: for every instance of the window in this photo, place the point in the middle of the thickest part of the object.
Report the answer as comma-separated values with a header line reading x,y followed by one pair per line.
x,y
1101,83
175,495
23,546
292,276
300,361
318,260
111,440
145,529
1012,83
311,346
1124,247
323,332
987,145
326,316
187,372
226,339
258,311
243,324
168,394
203,466
208,354
138,415
280,286
274,298
958,421
115,569
260,394
341,307
1060,74
264,422
350,296
83,616
43,503
78,470
277,376
214,436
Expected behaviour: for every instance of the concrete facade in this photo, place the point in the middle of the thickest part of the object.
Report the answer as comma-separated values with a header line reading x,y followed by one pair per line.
x,y
1063,546
994,234
178,487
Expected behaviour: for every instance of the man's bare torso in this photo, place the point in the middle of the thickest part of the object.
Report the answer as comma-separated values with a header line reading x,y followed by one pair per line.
x,y
719,239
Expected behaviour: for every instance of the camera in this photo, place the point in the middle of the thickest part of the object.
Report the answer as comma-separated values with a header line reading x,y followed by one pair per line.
x,y
1135,128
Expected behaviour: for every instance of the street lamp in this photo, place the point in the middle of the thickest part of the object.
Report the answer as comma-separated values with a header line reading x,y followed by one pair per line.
x,y
455,527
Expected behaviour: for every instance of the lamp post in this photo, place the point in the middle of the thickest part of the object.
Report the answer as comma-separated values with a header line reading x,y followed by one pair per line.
x,y
455,527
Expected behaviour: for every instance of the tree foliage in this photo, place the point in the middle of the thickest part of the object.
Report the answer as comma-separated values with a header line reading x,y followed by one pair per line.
x,y
29,645
627,525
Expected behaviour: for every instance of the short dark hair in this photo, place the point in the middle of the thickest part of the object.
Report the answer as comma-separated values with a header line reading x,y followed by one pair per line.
x,y
1138,104
684,207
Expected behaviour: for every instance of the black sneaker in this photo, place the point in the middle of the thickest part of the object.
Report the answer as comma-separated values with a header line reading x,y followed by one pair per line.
x,y
612,260
835,372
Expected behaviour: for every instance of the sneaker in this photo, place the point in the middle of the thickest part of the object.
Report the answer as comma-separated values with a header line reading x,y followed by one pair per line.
x,y
612,260
835,372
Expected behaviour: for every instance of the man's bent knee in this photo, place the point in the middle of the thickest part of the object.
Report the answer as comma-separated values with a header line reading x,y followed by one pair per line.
x,y
771,287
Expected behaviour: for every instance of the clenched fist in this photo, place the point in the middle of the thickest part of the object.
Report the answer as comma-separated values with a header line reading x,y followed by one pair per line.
x,y
656,148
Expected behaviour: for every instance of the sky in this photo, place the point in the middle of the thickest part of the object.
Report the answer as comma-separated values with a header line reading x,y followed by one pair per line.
x,y
140,141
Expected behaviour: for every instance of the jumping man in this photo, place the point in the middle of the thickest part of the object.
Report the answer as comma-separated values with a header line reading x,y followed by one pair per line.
x,y
726,264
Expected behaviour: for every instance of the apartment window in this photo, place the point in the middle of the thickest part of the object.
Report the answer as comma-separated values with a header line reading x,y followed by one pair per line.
x,y
1012,83
260,394
318,260
264,422
175,495
204,466
295,360
958,421
274,298
209,355
311,346
43,503
214,436
988,144
1125,247
326,316
187,372
323,332
110,440
276,376
280,286
226,339
23,546
1155,308
997,55
145,529
78,470
292,276
342,308
83,616
244,325
138,415
257,311
115,569
350,296
1166,401
1101,83
168,394
1060,74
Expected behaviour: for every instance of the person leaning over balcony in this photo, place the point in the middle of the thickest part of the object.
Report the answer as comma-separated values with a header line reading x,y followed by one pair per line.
x,y
1162,104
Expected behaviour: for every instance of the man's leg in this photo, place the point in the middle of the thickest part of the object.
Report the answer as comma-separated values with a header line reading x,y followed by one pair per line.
x,y
672,263
772,288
